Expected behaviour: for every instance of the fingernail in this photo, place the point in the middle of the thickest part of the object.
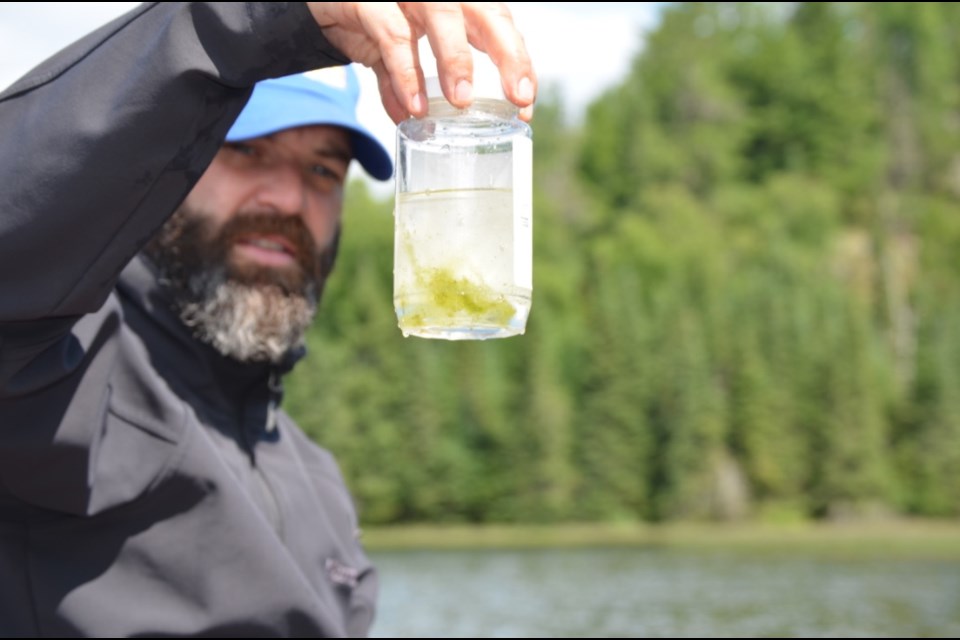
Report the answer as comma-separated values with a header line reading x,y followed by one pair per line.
x,y
463,92
525,90
418,102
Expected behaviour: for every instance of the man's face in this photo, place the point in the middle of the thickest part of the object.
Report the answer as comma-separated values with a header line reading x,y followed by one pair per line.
x,y
277,197
247,254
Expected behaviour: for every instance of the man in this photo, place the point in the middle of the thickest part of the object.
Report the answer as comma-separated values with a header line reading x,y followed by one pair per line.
x,y
149,482
247,254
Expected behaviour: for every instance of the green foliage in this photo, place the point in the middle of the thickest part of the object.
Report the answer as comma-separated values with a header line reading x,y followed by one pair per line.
x,y
745,300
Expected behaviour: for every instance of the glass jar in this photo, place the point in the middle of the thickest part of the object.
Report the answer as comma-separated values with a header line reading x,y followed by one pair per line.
x,y
463,247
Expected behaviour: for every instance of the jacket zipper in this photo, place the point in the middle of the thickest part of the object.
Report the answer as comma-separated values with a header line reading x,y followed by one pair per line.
x,y
275,387
272,508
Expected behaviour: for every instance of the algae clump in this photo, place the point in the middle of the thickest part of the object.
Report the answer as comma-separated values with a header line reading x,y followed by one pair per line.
x,y
451,300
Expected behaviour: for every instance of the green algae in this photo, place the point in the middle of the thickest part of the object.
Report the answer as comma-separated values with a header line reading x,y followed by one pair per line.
x,y
450,300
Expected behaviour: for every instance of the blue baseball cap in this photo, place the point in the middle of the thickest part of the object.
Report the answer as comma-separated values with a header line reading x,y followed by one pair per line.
x,y
325,96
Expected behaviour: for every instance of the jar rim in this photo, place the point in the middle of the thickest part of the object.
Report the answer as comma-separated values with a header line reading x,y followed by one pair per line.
x,y
486,81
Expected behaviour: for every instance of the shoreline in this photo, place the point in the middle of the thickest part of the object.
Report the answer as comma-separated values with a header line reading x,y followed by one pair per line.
x,y
891,538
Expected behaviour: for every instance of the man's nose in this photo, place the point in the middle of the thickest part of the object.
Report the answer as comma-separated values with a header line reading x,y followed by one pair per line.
x,y
282,188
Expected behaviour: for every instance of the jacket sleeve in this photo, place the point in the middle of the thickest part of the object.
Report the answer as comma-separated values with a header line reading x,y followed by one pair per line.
x,y
104,140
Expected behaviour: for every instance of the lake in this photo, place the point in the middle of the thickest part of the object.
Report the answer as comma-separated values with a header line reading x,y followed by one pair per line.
x,y
668,592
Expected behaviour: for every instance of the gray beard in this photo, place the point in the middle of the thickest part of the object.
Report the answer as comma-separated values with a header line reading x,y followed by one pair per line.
x,y
246,322
248,315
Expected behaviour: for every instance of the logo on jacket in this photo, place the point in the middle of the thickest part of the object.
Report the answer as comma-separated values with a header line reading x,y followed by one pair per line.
x,y
341,574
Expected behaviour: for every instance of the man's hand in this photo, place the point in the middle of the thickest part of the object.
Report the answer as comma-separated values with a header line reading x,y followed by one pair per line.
x,y
384,35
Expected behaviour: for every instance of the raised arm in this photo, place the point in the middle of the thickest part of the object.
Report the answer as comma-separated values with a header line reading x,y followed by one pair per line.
x,y
104,140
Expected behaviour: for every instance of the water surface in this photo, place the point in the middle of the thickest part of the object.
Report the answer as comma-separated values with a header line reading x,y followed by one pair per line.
x,y
655,593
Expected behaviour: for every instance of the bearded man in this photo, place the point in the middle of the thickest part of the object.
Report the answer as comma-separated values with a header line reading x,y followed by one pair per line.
x,y
246,255
149,482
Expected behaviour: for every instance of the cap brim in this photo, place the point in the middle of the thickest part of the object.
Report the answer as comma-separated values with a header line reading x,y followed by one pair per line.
x,y
288,114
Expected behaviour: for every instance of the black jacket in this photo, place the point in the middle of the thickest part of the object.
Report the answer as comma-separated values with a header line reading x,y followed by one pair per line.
x,y
145,486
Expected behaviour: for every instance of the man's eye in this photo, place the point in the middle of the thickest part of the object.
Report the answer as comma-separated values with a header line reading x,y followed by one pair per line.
x,y
239,147
326,177
325,172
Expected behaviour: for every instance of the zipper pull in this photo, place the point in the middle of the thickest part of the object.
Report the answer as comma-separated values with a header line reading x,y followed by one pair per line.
x,y
275,386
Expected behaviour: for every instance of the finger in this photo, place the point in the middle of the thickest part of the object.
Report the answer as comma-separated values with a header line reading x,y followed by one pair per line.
x,y
397,38
391,103
445,29
490,28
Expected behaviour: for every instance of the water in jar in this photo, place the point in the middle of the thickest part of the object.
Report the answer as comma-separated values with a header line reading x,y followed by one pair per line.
x,y
457,274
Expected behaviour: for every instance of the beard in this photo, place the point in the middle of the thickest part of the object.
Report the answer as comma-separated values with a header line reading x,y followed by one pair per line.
x,y
246,311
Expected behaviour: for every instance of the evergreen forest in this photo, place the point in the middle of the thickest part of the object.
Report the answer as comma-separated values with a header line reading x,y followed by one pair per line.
x,y
746,295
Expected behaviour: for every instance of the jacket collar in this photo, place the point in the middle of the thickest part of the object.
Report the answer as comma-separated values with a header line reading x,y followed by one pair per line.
x,y
139,285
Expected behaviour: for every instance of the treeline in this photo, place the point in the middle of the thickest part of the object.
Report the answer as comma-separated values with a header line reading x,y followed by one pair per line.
x,y
746,295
